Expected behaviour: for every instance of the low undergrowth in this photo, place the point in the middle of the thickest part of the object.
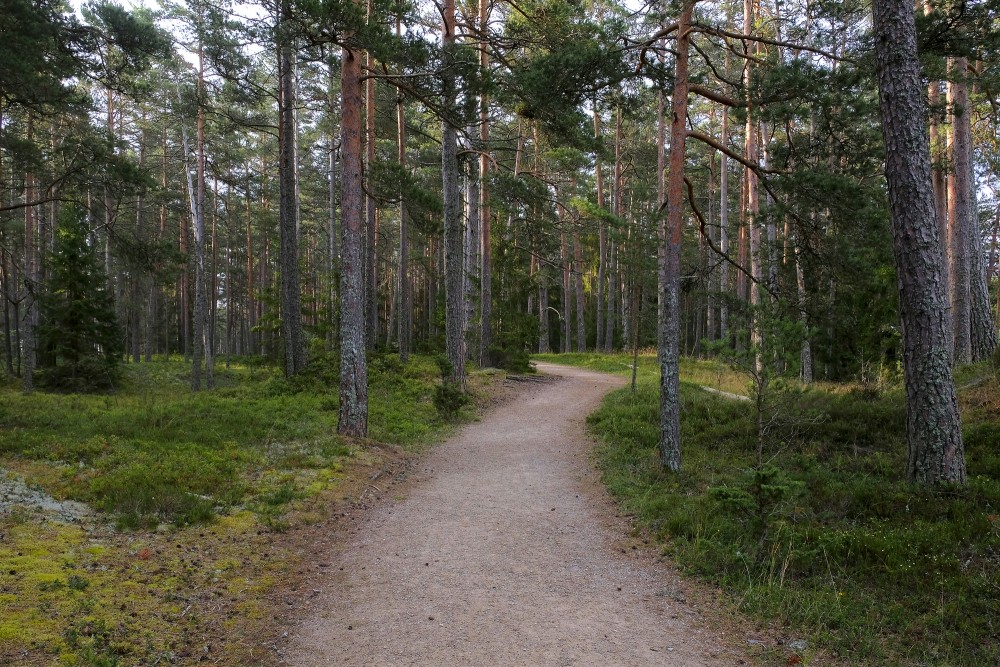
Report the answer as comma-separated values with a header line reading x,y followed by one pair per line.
x,y
192,490
820,531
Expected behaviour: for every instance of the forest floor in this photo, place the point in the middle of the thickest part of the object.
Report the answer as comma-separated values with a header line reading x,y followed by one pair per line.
x,y
503,548
796,504
157,526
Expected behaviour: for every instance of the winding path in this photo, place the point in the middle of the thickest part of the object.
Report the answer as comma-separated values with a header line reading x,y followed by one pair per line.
x,y
503,550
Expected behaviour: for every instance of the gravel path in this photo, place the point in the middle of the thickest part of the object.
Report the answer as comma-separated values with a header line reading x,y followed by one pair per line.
x,y
503,550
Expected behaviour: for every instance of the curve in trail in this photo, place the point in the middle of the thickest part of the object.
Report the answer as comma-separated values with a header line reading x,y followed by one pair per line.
x,y
502,552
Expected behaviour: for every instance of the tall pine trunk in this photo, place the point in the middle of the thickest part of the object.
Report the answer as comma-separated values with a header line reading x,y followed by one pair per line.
x,y
669,305
602,239
933,429
353,419
724,228
486,248
960,211
453,233
371,213
404,291
291,299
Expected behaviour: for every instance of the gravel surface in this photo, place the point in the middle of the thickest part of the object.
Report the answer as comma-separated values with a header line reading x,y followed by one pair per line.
x,y
502,549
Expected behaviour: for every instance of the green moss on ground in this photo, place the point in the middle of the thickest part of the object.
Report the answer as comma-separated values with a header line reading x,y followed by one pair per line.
x,y
194,493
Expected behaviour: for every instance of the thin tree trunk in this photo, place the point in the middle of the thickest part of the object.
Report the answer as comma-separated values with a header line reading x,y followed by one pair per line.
x,y
581,323
566,262
616,206
472,244
934,432
371,219
753,204
28,295
724,227
251,298
486,248
405,316
669,306
333,251
602,238
291,298
196,203
353,420
453,236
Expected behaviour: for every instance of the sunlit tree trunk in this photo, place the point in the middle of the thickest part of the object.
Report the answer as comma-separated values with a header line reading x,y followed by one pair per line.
x,y
602,239
616,205
371,212
353,419
333,249
669,305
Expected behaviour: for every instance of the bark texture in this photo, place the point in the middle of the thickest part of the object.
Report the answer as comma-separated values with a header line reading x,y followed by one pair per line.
x,y
404,291
353,419
452,195
291,299
960,211
669,330
934,433
486,247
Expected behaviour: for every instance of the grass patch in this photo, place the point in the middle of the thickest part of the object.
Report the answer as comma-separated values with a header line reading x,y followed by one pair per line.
x,y
199,483
824,534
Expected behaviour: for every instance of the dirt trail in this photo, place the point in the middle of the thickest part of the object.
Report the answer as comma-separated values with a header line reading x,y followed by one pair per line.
x,y
504,551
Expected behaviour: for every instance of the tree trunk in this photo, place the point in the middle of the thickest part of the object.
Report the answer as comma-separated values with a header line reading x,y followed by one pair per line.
x,y
29,294
581,323
566,291
602,239
371,218
669,306
959,210
453,233
753,203
616,208
405,293
196,205
291,298
333,250
982,333
486,249
472,244
934,432
724,228
353,420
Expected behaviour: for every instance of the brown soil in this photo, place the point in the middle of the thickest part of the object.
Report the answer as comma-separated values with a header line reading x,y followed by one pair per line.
x,y
500,548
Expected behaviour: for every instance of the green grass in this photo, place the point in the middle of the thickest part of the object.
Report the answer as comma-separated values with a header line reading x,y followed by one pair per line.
x,y
156,452
199,486
823,535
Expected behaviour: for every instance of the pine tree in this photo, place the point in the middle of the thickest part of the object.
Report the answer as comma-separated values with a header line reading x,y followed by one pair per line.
x,y
79,335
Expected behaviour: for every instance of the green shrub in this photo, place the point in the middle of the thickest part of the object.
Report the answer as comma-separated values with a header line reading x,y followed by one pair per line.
x,y
513,359
449,399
